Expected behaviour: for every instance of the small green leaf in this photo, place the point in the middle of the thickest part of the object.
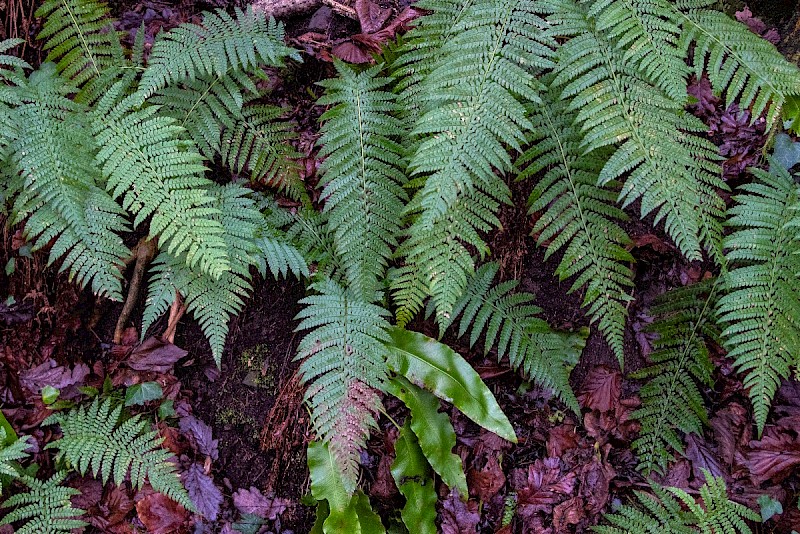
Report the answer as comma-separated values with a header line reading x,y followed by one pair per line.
x,y
139,394
11,436
791,112
11,266
438,368
89,391
412,474
769,507
327,485
249,524
49,395
434,431
166,409
786,151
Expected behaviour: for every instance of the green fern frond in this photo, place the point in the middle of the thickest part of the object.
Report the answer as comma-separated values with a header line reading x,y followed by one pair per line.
x,y
258,143
671,400
671,169
579,217
159,175
53,151
509,322
663,512
223,43
46,508
739,63
363,183
12,67
212,301
95,439
9,454
760,305
487,70
81,38
344,363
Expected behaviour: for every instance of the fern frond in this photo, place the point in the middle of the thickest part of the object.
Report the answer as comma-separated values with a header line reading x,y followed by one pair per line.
x,y
344,363
159,175
221,44
760,306
53,151
95,439
671,400
363,183
486,71
671,169
579,217
212,301
509,322
663,513
258,143
739,63
81,38
11,67
46,508
9,454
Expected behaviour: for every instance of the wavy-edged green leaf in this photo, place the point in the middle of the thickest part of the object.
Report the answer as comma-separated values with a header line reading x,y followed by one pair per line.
x,y
435,432
412,475
441,370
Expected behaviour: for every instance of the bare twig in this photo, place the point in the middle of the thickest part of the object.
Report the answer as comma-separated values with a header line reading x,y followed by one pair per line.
x,y
143,252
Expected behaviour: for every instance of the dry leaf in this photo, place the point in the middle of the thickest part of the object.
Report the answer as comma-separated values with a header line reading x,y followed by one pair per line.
x,y
252,501
155,355
601,390
459,517
161,515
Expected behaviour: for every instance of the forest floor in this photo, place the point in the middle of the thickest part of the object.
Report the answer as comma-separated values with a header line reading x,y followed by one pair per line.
x,y
562,475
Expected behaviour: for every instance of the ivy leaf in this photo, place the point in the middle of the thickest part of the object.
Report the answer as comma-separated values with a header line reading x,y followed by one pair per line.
x,y
434,431
438,368
412,474
139,394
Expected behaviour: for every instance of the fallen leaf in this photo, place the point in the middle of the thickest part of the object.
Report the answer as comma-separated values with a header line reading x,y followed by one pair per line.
x,y
459,517
254,502
204,494
542,485
57,376
384,486
601,390
595,480
199,434
569,512
560,439
486,482
351,53
161,515
155,355
371,16
731,431
773,457
702,457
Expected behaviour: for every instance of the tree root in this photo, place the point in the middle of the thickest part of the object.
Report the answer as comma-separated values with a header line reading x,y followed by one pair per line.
x,y
288,8
143,252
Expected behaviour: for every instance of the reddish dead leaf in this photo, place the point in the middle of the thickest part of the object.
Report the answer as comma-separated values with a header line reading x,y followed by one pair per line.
x,y
130,337
595,479
351,53
677,475
459,517
569,512
252,501
162,515
155,355
199,435
543,485
560,439
702,457
601,390
91,492
653,241
206,497
371,16
116,505
731,431
774,456
486,482
384,486
57,376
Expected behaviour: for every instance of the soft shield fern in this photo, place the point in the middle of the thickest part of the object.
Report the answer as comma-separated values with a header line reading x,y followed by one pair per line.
x,y
44,509
671,398
760,304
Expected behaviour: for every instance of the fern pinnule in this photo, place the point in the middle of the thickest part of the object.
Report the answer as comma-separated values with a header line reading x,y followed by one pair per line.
x,y
580,217
669,167
671,399
221,44
344,363
760,304
363,183
46,508
509,322
95,439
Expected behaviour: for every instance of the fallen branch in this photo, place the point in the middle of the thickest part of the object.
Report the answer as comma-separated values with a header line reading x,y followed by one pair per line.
x,y
288,8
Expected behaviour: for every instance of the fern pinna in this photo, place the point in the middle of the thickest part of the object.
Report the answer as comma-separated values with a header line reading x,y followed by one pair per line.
x,y
46,508
761,298
684,321
577,215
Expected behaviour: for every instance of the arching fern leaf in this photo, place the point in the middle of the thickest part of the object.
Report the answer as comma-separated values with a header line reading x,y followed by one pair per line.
x,y
760,305
671,399
580,217
45,509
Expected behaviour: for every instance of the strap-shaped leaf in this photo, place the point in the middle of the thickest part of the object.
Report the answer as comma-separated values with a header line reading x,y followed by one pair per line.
x,y
443,371
435,432
412,474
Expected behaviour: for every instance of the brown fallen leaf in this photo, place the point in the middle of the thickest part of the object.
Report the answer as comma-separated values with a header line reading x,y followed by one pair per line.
x,y
542,485
561,438
384,486
459,517
350,52
569,512
702,457
601,390
486,482
774,456
732,431
595,480
161,515
254,502
64,379
155,355
371,16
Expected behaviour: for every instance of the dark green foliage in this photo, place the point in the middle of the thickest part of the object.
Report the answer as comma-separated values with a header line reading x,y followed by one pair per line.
x,y
97,440
671,399
579,217
761,297
662,512
45,508
9,454
508,320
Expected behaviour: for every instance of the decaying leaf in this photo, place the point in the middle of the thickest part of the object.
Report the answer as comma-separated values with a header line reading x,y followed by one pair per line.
x,y
254,502
459,517
204,494
162,515
155,355
601,390
199,433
